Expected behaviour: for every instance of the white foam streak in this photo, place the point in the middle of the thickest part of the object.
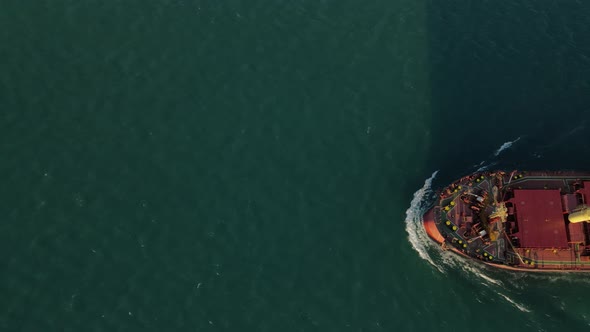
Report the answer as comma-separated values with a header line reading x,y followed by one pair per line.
x,y
471,268
482,275
416,233
519,306
485,167
505,146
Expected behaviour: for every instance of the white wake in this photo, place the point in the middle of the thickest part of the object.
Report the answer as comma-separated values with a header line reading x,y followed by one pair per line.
x,y
416,233
505,146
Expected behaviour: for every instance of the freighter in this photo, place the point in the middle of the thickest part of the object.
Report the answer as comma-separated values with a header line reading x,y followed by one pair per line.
x,y
528,221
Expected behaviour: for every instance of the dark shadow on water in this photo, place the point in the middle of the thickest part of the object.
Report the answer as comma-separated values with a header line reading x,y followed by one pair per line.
x,y
502,70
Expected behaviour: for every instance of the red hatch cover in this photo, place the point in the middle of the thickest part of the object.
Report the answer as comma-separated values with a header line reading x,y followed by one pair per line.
x,y
577,232
540,219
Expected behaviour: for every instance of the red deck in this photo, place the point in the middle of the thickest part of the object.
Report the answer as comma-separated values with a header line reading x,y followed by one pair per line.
x,y
540,218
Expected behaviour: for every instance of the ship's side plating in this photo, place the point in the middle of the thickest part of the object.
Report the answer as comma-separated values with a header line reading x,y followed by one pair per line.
x,y
518,220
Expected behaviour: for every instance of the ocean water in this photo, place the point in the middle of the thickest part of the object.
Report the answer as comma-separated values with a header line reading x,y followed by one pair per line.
x,y
179,165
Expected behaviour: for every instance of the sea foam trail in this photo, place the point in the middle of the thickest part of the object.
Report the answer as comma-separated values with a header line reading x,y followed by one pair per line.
x,y
514,303
486,164
485,167
474,271
505,146
416,233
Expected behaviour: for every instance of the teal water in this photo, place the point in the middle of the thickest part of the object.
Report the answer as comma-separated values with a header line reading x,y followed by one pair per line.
x,y
185,165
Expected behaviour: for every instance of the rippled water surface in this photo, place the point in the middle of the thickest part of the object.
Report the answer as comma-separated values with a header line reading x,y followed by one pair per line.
x,y
180,165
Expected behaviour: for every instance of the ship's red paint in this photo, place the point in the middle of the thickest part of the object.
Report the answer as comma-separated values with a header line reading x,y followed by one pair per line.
x,y
540,218
431,228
